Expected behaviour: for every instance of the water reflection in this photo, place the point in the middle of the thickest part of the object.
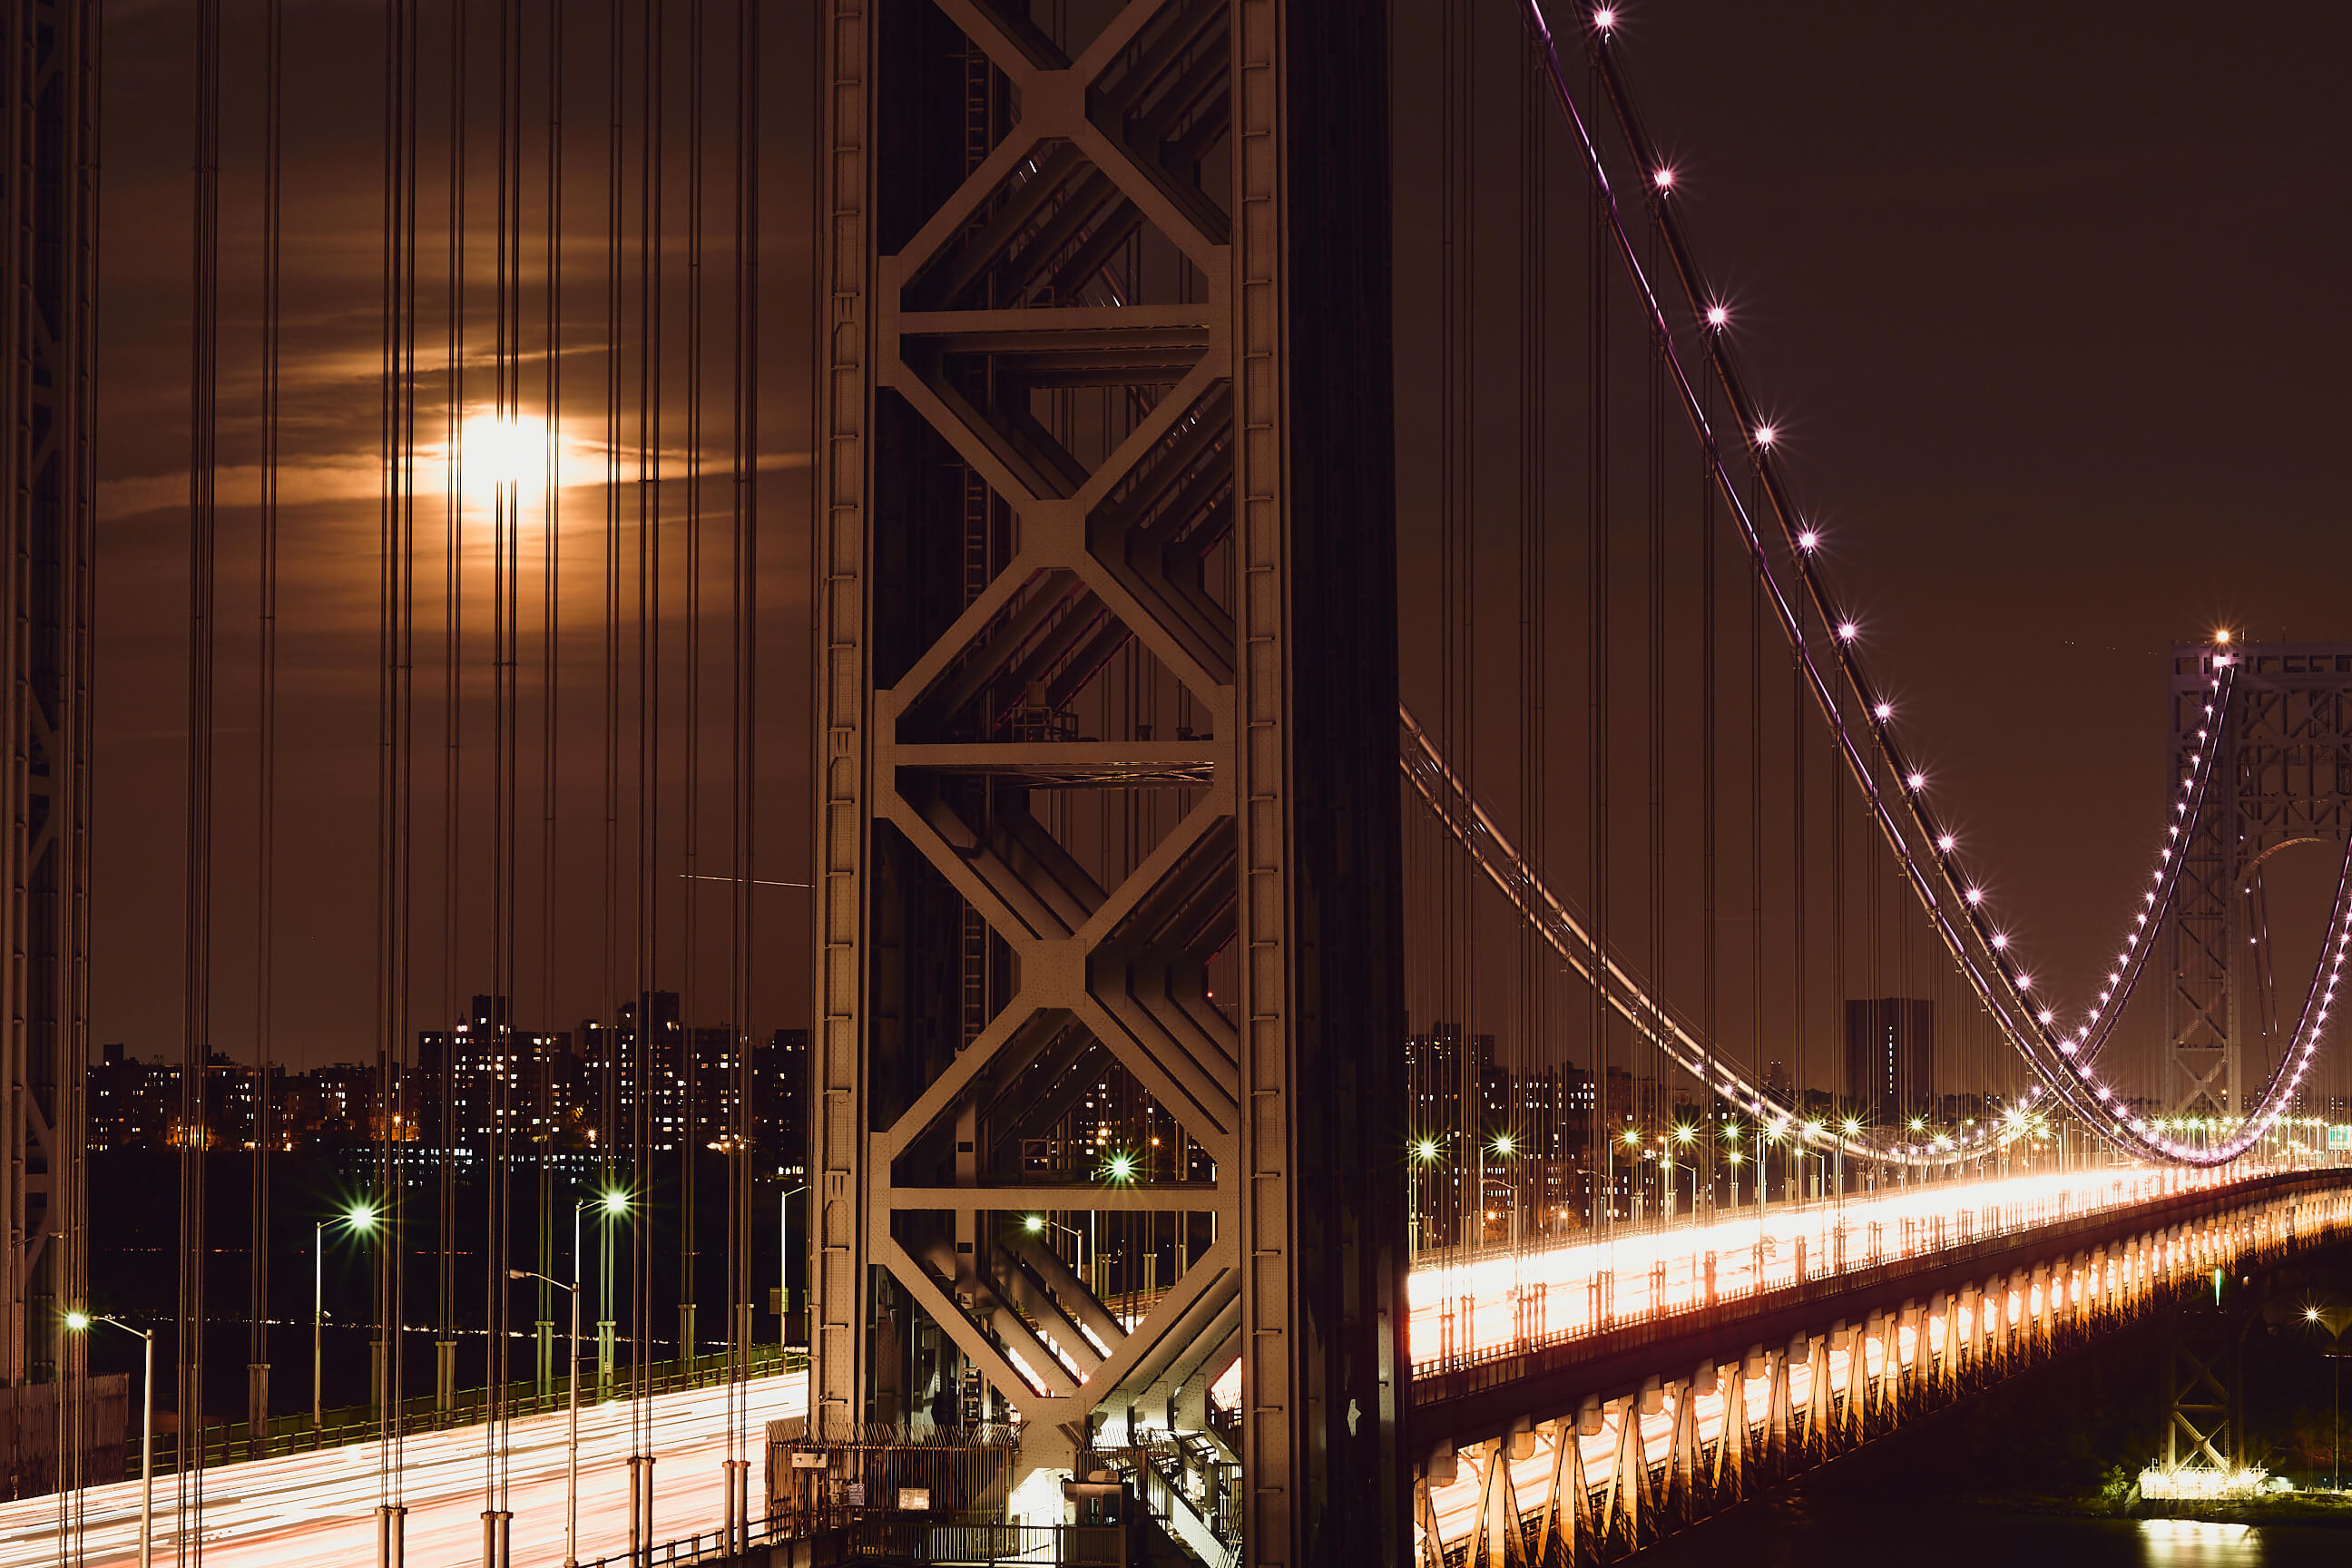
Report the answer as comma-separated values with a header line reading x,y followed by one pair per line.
x,y
1811,1528
2198,1544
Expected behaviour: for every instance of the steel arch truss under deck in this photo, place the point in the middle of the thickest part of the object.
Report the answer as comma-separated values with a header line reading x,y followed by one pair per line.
x,y
1105,705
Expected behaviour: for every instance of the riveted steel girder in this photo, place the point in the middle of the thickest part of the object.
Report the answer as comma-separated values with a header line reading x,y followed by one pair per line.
x,y
1102,435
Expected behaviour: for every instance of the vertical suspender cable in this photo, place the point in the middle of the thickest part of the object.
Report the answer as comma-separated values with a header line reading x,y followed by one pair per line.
x,y
1653,434
445,1364
550,705
690,1055
745,734
1839,991
649,465
505,646
265,837
196,972
1535,958
395,786
1760,1061
1799,1082
1597,680
609,1063
1463,959
1712,1110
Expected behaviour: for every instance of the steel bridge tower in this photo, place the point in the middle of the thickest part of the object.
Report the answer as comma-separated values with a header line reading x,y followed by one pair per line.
x,y
1107,1080
47,338
2286,780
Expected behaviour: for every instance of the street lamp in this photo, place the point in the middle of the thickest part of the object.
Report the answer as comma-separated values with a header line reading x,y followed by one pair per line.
x,y
360,1217
612,1204
1502,1145
1038,1225
1852,1130
572,1458
1424,1155
1683,1135
1633,1181
79,1322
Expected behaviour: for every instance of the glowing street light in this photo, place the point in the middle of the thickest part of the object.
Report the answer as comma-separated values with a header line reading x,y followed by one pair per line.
x,y
359,1218
612,1203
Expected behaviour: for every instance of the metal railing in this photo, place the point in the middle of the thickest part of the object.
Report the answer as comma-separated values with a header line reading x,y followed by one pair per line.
x,y
941,1544
228,1442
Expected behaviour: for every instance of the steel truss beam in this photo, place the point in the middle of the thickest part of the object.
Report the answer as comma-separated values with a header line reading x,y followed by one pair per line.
x,y
49,203
1102,437
47,274
2287,744
1628,1466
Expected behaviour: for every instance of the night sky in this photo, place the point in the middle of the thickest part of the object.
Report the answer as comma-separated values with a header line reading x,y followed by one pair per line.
x,y
2045,300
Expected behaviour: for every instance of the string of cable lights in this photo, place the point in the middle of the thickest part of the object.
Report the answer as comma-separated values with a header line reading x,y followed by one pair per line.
x,y
1978,943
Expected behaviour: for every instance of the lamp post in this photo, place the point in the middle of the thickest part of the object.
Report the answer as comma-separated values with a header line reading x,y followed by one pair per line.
x,y
1683,1136
1633,1181
1038,1225
610,1204
1503,1146
572,1458
79,1323
1424,1155
360,1217
1852,1130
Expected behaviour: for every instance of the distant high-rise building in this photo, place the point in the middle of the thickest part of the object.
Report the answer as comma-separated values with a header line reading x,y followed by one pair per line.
x,y
1890,1058
131,1101
780,1099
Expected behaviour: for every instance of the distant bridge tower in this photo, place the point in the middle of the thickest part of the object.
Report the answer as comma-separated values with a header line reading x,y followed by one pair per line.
x,y
2288,740
48,173
1107,1080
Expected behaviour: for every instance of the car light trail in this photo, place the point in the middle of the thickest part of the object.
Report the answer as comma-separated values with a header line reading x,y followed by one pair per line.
x,y
1493,1304
310,1511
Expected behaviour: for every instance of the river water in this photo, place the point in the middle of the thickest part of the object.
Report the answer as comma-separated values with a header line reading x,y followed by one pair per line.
x,y
1808,1531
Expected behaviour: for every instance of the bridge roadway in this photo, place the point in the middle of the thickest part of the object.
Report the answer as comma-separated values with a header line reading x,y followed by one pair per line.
x,y
1476,1326
317,1510
1923,1319
1504,1302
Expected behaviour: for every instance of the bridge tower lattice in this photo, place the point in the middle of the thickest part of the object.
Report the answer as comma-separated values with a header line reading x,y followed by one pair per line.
x,y
1105,725
2287,738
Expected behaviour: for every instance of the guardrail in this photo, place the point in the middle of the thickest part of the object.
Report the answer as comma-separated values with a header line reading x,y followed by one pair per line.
x,y
229,1442
942,1546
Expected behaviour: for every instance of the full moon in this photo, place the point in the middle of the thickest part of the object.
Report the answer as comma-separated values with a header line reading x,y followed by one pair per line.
x,y
503,454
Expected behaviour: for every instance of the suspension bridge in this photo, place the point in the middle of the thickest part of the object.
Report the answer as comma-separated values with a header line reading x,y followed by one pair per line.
x,y
1389,984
